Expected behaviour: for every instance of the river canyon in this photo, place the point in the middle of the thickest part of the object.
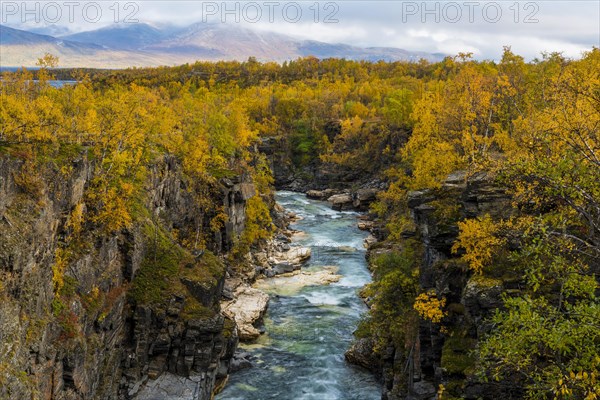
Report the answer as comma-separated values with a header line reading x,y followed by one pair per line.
x,y
308,328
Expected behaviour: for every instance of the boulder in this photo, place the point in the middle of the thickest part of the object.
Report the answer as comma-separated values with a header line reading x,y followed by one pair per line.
x,y
363,198
341,202
240,361
283,268
247,308
296,256
365,225
321,194
361,353
369,241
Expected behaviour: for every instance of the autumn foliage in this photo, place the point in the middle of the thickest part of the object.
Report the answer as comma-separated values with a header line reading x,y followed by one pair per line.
x,y
533,126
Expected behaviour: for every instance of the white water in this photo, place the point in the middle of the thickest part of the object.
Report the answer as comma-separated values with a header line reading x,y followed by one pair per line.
x,y
302,354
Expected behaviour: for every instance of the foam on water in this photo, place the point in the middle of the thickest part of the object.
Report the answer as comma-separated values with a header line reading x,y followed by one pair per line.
x,y
320,299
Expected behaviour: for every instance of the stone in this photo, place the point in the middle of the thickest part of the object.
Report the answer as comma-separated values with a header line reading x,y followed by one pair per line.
x,y
246,309
361,353
457,178
422,390
283,268
365,225
207,293
362,198
321,194
172,387
240,360
295,256
341,202
239,364
482,293
291,283
417,197
369,241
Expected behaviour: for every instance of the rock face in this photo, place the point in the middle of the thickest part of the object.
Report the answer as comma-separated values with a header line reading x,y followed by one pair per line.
x,y
90,339
35,351
436,358
174,387
197,349
236,193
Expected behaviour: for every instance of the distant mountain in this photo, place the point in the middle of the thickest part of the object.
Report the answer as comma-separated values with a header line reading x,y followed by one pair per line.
x,y
121,46
22,48
12,37
121,37
19,47
221,41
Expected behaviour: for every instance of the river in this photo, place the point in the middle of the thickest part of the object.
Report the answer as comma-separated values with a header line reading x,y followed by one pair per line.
x,y
301,355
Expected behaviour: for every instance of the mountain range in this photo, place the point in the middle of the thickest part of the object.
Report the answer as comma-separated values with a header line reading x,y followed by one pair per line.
x,y
138,45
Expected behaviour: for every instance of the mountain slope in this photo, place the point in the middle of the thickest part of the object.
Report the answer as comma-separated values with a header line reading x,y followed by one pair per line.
x,y
121,37
229,42
146,45
17,37
22,48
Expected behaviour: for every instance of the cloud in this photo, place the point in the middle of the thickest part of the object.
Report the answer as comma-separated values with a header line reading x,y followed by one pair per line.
x,y
481,27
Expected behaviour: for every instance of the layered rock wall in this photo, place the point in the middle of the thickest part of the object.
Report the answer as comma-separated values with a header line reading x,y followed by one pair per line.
x,y
87,337
442,356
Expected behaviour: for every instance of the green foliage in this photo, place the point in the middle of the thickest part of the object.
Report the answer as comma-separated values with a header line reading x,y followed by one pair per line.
x,y
457,355
399,107
192,309
543,345
159,267
258,226
391,296
302,143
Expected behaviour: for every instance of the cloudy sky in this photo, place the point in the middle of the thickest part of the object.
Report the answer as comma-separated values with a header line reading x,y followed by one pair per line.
x,y
481,27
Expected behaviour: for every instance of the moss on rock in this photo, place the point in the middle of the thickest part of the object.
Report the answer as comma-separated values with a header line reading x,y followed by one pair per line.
x,y
456,355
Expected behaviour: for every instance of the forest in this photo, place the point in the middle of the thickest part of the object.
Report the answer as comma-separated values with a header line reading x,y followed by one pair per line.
x,y
531,127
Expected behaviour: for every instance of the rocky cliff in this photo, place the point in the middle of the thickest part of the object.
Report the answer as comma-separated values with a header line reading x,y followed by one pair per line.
x,y
97,318
441,353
